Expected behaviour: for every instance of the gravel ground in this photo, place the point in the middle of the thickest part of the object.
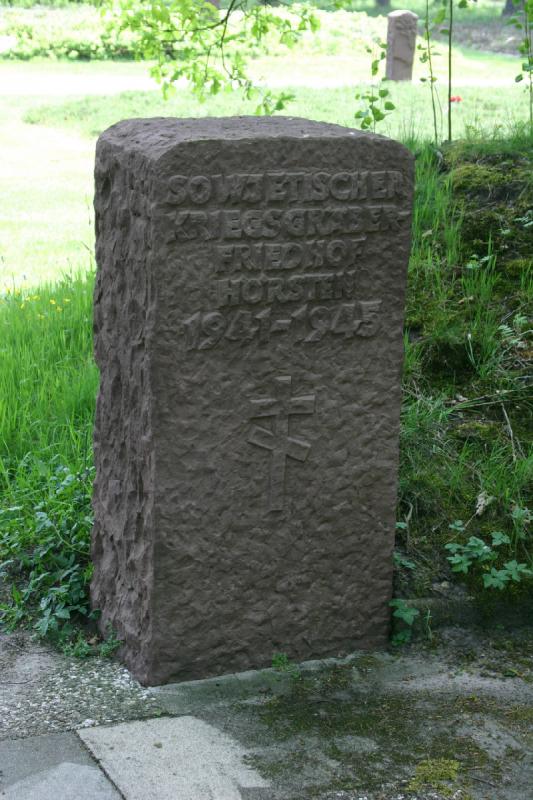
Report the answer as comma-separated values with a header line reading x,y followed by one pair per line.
x,y
42,691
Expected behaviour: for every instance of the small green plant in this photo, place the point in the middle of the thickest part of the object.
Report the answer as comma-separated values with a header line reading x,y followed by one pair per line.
x,y
523,21
400,561
76,645
449,32
45,546
282,663
426,57
110,644
407,614
81,645
375,105
476,555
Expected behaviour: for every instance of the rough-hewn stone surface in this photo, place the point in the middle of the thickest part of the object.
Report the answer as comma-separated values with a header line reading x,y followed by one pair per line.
x,y
401,44
249,308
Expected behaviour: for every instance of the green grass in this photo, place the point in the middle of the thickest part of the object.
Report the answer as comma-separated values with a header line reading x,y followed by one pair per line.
x,y
48,383
47,367
479,109
46,219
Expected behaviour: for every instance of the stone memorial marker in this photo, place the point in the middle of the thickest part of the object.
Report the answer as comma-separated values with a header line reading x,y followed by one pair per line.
x,y
401,43
248,330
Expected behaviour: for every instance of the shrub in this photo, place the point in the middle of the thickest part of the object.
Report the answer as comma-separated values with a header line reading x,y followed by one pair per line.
x,y
75,33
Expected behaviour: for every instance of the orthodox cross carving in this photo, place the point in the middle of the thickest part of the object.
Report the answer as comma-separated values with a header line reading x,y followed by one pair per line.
x,y
277,440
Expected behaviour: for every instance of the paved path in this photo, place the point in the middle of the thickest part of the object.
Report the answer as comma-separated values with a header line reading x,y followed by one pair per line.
x,y
356,729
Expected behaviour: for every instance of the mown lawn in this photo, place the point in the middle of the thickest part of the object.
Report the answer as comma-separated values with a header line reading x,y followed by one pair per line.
x,y
46,180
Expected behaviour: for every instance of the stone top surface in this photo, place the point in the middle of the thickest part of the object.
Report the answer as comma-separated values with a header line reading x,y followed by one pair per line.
x,y
400,13
154,136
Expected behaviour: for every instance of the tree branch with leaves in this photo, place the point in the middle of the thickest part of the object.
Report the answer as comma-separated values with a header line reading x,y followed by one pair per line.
x,y
194,41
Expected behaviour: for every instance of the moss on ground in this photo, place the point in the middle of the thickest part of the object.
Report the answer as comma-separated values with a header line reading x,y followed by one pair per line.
x,y
366,738
440,774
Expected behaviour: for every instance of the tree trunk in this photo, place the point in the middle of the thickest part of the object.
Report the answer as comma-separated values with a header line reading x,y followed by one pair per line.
x,y
510,8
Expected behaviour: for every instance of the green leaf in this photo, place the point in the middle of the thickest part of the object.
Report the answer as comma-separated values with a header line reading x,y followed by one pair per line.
x,y
403,611
516,571
460,563
400,638
519,78
16,595
499,538
496,579
389,106
457,525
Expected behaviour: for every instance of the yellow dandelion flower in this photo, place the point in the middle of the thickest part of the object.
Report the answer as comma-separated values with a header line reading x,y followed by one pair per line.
x,y
66,300
40,316
53,302
36,297
58,308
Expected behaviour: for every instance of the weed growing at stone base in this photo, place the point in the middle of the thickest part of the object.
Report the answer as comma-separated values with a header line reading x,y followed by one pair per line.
x,y
47,389
466,419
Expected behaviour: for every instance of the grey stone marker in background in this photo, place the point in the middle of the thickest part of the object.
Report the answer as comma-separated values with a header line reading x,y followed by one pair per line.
x,y
248,322
401,43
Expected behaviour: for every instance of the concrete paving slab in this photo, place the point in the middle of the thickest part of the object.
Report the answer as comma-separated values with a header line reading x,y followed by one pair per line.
x,y
166,759
51,767
66,781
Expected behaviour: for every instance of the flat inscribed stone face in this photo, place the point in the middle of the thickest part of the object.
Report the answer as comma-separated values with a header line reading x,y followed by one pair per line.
x,y
248,319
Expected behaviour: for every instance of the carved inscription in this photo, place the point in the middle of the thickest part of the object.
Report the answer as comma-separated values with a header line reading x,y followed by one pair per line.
x,y
311,323
286,187
299,222
276,439
283,251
